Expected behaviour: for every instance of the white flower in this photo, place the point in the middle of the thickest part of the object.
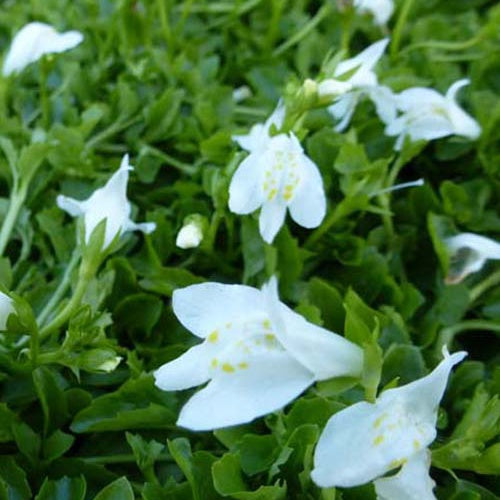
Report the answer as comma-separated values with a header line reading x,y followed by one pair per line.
x,y
380,9
426,114
256,354
469,252
241,93
276,175
364,441
109,203
333,88
34,41
190,235
364,82
6,309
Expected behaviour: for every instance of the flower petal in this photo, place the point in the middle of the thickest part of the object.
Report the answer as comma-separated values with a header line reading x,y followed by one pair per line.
x,y
412,482
363,442
366,59
206,307
246,193
486,247
188,370
323,353
239,395
272,216
308,205
6,308
380,9
74,207
343,109
385,102
416,97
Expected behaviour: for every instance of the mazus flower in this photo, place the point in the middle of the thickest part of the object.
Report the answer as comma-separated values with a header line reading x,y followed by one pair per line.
x,y
468,254
366,440
277,175
34,41
108,203
256,354
427,115
381,10
364,82
6,309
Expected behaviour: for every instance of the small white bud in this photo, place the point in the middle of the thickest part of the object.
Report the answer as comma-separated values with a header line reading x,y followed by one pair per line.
x,y
189,236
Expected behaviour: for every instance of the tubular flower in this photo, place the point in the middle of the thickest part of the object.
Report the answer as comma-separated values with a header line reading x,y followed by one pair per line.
x,y
276,175
107,203
364,441
256,354
364,82
469,252
34,41
426,114
381,10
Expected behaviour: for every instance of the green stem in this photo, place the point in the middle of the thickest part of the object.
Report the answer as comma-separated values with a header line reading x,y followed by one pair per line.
x,y
114,128
86,273
444,45
123,458
60,290
44,92
447,334
480,288
165,23
398,29
17,198
304,31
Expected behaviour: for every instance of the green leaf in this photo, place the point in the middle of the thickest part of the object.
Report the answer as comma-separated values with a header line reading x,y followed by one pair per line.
x,y
57,445
117,490
14,478
66,488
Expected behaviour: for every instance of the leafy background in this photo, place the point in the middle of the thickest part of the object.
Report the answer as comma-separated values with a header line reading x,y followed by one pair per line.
x,y
155,79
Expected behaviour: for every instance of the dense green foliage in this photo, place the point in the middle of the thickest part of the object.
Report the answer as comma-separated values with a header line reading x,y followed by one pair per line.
x,y
155,79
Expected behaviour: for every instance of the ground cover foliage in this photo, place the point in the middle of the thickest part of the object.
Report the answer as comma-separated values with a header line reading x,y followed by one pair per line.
x,y
156,80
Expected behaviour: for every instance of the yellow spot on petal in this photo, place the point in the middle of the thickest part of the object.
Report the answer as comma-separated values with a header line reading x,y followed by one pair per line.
x,y
378,440
227,367
213,337
397,463
229,325
266,324
416,444
243,365
287,195
215,362
269,337
272,194
379,421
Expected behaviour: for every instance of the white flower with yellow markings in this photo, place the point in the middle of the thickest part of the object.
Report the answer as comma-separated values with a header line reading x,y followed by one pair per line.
x,y
365,441
277,175
108,203
256,354
427,115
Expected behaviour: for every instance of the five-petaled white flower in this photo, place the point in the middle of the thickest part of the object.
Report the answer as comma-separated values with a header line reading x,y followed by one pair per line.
x,y
6,309
380,9
109,203
469,252
34,41
276,175
364,441
256,352
426,114
364,82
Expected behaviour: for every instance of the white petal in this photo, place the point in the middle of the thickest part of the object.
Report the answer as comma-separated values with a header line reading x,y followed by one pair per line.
x,y
366,59
189,370
246,193
412,482
6,309
207,307
422,397
272,216
331,88
74,207
452,91
254,140
486,247
380,9
308,205
385,102
267,383
35,40
324,353
364,441
343,109
429,126
418,98
144,227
